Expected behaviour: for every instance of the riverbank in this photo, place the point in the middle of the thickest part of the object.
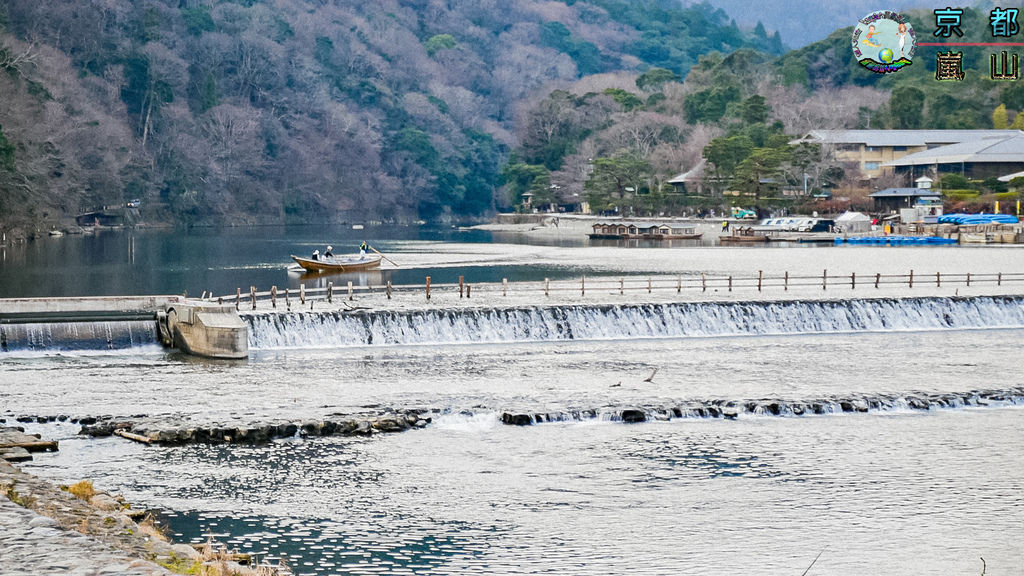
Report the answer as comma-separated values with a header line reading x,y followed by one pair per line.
x,y
579,225
46,529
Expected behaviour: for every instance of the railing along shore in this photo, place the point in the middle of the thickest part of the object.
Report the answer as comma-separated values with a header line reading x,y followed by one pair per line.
x,y
661,284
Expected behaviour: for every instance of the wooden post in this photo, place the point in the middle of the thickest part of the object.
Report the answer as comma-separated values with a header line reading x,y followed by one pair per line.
x,y
760,278
302,293
968,279
546,287
853,280
238,297
878,277
330,292
461,287
468,290
504,286
273,296
583,285
999,279
428,287
785,281
622,286
220,300
287,302
911,278
704,282
648,285
679,284
388,289
730,283
252,296
350,296
938,279
824,279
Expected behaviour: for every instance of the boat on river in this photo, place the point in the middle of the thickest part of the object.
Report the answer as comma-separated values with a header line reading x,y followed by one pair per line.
x,y
750,235
643,231
339,264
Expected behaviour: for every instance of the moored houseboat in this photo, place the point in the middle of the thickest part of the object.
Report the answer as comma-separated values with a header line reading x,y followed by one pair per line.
x,y
643,231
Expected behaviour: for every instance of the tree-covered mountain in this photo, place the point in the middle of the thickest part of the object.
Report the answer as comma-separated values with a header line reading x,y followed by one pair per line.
x,y
616,141
247,111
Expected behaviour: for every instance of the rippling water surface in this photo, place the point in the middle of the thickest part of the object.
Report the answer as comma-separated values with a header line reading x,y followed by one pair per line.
x,y
887,493
893,491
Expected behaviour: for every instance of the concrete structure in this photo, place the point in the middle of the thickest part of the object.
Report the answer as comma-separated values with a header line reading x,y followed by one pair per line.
x,y
989,157
873,151
203,329
194,327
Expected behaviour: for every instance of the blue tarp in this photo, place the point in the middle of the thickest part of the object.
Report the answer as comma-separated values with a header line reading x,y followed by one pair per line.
x,y
896,240
977,219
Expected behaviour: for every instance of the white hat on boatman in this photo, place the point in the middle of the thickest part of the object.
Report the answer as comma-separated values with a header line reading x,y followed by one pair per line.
x,y
330,247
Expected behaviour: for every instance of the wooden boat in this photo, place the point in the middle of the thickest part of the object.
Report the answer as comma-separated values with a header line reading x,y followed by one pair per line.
x,y
338,264
644,231
749,235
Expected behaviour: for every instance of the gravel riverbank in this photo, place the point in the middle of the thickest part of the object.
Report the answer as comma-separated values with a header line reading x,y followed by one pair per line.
x,y
45,529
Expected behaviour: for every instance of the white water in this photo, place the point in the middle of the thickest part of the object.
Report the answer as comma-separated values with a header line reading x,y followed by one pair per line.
x,y
50,337
541,324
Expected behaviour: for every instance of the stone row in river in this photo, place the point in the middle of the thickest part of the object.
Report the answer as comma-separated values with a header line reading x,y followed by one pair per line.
x,y
731,410
171,431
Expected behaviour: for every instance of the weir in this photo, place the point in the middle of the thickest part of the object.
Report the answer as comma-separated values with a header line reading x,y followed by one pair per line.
x,y
354,328
209,329
121,323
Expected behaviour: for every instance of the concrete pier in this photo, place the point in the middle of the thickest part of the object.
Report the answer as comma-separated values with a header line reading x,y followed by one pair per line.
x,y
204,329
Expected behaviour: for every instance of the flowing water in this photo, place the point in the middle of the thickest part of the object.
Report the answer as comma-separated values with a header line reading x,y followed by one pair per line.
x,y
900,488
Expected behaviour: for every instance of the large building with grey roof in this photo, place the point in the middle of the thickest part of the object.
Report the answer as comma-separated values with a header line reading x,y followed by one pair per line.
x,y
975,159
876,151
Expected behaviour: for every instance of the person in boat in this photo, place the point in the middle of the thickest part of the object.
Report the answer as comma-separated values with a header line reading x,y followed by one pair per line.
x,y
316,255
363,247
328,253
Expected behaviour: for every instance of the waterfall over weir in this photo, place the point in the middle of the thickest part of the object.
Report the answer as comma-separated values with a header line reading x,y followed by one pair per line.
x,y
48,337
606,322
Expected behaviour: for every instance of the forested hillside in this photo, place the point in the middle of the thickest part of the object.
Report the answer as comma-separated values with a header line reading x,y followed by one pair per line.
x,y
246,111
615,141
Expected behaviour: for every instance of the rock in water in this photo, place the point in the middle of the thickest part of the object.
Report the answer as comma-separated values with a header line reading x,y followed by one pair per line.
x,y
516,419
633,416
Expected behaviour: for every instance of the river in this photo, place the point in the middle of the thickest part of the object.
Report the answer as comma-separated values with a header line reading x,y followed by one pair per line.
x,y
894,490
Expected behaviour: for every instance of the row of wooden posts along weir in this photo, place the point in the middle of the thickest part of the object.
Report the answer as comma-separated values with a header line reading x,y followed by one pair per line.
x,y
621,285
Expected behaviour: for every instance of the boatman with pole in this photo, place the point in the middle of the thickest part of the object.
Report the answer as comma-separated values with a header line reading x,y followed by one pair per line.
x,y
362,248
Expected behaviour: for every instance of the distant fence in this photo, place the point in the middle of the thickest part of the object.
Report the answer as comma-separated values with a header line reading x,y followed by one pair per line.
x,y
273,298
